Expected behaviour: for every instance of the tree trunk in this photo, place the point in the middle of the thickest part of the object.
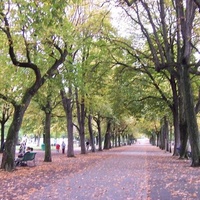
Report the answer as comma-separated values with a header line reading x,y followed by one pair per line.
x,y
6,113
162,138
47,157
98,121
119,140
67,105
91,133
166,134
81,121
115,139
175,112
158,138
183,127
192,126
108,135
8,157
153,139
2,136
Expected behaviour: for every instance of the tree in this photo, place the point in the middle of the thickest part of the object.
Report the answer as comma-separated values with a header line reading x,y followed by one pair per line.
x,y
152,86
68,105
48,101
86,58
34,45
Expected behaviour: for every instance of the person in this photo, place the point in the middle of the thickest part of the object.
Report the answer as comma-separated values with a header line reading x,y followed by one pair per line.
x,y
57,148
29,149
87,145
63,147
22,151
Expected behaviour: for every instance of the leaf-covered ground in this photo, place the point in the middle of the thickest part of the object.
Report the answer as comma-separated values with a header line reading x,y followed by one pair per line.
x,y
127,173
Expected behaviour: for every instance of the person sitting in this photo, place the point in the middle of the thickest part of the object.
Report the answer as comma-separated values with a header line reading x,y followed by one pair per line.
x,y
21,155
22,149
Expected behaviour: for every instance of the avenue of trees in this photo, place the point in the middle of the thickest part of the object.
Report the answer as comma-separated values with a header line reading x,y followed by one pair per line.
x,y
172,37
65,67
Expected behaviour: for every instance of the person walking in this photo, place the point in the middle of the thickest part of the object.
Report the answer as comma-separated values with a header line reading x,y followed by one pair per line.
x,y
87,145
63,147
57,148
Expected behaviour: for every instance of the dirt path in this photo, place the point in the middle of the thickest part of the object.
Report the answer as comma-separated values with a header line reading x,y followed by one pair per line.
x,y
137,172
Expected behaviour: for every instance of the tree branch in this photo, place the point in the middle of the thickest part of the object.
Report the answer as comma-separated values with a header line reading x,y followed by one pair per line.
x,y
197,2
7,99
15,62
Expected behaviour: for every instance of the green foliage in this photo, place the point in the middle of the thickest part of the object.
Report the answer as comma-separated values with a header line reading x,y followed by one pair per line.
x,y
111,73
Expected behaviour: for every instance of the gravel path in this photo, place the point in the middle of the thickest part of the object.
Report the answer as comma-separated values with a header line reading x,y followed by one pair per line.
x,y
137,172
123,175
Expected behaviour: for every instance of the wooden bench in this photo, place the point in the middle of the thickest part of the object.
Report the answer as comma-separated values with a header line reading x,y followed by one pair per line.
x,y
28,156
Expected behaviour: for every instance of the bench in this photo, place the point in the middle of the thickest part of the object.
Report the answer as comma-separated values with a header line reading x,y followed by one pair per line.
x,y
28,156
188,153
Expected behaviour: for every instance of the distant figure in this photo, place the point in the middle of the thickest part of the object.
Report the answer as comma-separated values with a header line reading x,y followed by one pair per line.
x,y
57,148
87,145
63,147
24,138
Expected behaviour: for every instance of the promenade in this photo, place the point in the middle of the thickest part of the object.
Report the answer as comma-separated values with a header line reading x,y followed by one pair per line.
x,y
136,172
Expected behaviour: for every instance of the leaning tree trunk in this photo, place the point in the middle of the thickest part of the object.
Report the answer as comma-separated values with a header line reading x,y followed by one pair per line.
x,y
8,157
